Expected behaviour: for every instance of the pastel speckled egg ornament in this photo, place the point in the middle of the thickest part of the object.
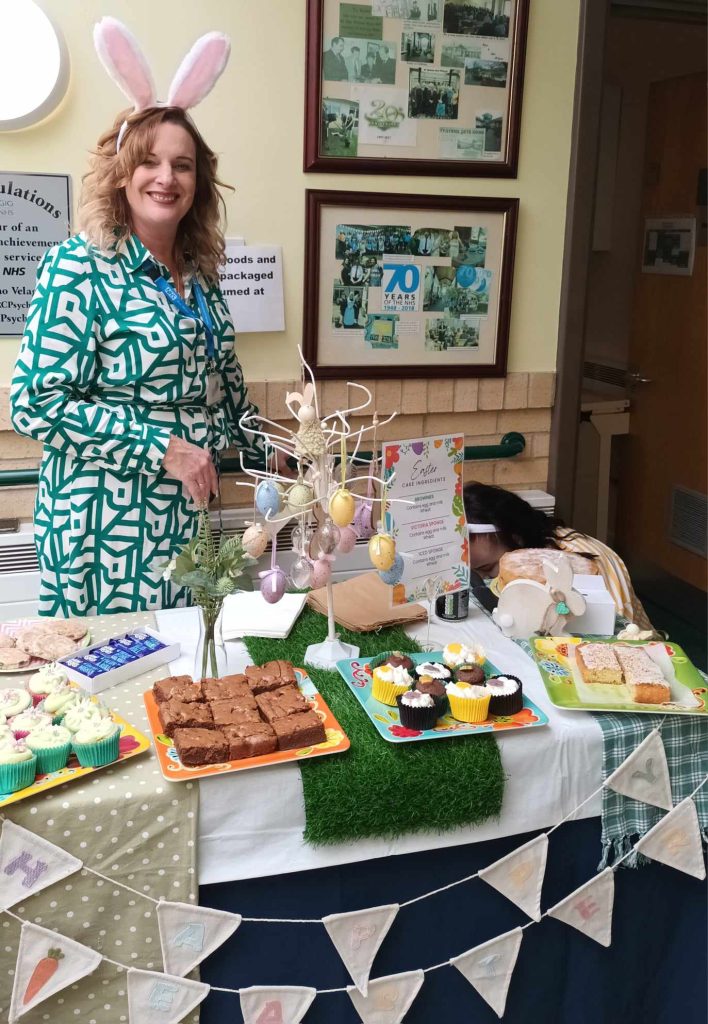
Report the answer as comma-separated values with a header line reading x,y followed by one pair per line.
x,y
342,507
347,540
273,583
299,496
255,540
322,571
392,576
268,499
382,551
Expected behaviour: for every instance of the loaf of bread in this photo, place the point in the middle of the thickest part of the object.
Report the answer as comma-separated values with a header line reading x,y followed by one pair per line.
x,y
527,564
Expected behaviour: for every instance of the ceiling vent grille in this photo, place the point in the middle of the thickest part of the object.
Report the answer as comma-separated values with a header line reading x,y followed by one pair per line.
x,y
689,520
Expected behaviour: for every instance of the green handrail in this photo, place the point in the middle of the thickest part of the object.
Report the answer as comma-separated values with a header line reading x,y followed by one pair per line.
x,y
511,444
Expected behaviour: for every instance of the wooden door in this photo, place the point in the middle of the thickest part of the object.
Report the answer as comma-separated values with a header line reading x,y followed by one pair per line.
x,y
666,446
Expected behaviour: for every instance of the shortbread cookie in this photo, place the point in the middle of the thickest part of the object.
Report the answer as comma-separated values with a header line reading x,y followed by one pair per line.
x,y
6,641
75,629
49,646
12,657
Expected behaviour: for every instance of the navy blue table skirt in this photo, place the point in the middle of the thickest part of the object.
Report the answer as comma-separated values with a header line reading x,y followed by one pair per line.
x,y
654,972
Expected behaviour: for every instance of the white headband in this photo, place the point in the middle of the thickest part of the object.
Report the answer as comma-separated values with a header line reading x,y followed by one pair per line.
x,y
481,528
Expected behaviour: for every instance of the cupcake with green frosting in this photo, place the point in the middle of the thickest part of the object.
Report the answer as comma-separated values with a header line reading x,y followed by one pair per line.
x,y
59,702
24,723
82,712
52,745
18,766
96,743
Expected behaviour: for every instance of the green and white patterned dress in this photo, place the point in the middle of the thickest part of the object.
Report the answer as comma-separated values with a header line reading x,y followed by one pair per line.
x,y
107,370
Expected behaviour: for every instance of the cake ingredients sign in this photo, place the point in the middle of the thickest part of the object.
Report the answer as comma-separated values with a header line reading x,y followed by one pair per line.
x,y
429,523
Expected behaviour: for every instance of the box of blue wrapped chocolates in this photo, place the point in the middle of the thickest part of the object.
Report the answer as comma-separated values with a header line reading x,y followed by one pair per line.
x,y
122,657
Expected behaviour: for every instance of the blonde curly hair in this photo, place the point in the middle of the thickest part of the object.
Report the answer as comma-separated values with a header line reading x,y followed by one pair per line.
x,y
104,213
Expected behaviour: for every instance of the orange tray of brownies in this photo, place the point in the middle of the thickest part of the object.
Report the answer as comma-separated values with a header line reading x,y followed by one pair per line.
x,y
266,715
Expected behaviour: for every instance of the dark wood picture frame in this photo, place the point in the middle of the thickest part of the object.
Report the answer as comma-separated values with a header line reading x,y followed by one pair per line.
x,y
314,160
317,199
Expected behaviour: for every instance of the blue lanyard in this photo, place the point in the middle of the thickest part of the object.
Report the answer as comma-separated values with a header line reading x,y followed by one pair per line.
x,y
171,293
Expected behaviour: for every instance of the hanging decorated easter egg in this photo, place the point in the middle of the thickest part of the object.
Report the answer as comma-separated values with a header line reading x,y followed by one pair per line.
x,y
273,584
321,572
299,496
255,540
347,540
342,506
362,519
382,551
393,575
324,539
301,572
268,498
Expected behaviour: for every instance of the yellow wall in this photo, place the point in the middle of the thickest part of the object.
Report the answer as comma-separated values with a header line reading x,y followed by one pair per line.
x,y
254,119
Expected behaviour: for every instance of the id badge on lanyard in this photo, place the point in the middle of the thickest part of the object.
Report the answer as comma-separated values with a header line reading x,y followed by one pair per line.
x,y
215,391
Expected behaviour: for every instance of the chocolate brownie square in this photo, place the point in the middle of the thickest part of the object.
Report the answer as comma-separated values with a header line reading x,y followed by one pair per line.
x,y
229,712
286,700
226,688
261,681
176,714
177,687
302,730
201,746
250,739
283,670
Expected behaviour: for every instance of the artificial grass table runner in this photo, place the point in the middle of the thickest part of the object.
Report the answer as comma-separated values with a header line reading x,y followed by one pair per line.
x,y
377,788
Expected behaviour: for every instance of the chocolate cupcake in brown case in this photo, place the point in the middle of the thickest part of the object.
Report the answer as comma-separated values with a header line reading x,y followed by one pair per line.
x,y
435,688
398,660
418,710
507,695
473,674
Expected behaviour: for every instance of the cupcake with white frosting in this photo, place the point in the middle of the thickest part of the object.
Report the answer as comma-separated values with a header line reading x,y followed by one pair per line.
x,y
388,682
46,680
13,701
82,712
417,710
17,766
433,669
506,695
59,701
97,743
52,745
456,654
468,703
24,723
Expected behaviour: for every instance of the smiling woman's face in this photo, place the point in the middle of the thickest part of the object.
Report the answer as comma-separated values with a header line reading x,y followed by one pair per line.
x,y
161,190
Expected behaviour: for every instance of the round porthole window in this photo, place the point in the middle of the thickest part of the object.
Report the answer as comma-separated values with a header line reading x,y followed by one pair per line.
x,y
34,65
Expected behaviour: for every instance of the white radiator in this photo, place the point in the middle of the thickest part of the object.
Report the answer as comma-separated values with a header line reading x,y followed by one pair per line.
x,y
19,572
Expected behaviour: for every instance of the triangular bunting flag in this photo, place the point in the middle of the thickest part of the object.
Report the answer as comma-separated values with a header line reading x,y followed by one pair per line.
x,y
357,937
271,1004
676,840
46,963
388,999
161,998
644,775
589,908
519,875
188,934
489,967
29,863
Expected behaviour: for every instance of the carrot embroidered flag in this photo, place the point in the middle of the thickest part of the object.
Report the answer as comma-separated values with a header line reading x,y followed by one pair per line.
x,y
272,1004
46,963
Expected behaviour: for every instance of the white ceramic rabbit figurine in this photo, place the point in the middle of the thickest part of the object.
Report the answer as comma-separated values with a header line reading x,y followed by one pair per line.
x,y
526,607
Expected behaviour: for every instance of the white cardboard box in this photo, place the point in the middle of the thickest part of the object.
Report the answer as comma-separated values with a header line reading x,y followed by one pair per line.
x,y
144,663
598,619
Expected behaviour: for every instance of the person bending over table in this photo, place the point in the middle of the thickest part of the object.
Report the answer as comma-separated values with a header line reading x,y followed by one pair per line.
x,y
516,524
130,389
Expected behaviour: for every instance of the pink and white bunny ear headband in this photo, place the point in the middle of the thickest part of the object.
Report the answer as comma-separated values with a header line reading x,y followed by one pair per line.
x,y
119,52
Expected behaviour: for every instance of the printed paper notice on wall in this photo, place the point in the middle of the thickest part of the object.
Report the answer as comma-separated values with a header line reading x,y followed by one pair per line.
x,y
252,283
429,524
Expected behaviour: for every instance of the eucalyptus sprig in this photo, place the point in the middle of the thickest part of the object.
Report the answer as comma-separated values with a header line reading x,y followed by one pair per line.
x,y
210,571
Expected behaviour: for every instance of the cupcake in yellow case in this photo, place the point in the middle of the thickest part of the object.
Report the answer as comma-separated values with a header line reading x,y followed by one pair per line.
x,y
389,682
457,654
468,703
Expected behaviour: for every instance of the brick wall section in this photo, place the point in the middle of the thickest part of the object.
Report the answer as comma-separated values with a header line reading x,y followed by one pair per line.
x,y
484,410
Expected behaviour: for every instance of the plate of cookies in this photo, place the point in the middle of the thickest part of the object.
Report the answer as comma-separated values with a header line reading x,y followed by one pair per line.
x,y
454,692
266,715
27,644
608,674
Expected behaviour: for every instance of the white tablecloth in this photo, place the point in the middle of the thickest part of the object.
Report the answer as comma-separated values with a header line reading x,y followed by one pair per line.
x,y
251,822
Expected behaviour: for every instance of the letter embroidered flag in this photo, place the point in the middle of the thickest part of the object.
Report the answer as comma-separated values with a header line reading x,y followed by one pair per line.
x,y
357,937
489,967
272,1004
155,998
46,963
644,775
519,875
188,934
676,840
388,999
589,908
29,863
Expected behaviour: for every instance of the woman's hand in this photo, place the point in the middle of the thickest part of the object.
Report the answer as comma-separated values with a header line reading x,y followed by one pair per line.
x,y
193,466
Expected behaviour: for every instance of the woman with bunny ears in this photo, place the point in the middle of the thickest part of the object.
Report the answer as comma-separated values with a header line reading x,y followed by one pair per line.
x,y
127,370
